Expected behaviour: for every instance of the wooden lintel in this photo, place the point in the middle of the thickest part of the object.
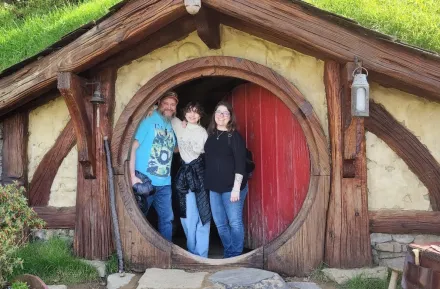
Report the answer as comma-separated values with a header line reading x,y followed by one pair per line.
x,y
74,90
404,222
408,147
15,141
57,218
208,27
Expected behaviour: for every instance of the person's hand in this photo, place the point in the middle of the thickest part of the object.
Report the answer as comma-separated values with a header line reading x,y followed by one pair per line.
x,y
235,195
135,180
184,123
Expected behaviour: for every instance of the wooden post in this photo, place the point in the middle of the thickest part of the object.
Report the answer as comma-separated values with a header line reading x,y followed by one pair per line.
x,y
93,235
347,236
15,141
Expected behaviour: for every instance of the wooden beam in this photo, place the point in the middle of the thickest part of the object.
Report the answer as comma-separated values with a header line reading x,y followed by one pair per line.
x,y
292,25
73,89
404,222
15,141
93,239
408,147
347,235
208,27
57,218
39,191
135,21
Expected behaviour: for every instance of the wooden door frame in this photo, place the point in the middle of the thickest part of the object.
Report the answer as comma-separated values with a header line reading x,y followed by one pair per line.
x,y
211,66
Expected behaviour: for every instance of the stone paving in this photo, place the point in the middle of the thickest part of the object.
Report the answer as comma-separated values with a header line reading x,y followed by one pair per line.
x,y
240,278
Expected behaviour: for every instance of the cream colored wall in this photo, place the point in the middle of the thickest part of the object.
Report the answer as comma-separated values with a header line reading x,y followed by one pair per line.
x,y
305,72
45,125
390,182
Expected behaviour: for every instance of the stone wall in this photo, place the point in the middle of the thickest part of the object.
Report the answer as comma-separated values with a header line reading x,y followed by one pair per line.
x,y
390,249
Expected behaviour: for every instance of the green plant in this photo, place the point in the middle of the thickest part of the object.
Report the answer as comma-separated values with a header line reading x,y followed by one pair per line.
x,y
54,263
112,264
15,217
19,285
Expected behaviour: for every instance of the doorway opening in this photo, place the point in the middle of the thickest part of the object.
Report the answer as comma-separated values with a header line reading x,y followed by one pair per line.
x,y
280,182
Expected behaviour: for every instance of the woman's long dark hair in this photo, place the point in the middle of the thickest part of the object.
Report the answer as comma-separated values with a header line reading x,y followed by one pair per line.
x,y
232,124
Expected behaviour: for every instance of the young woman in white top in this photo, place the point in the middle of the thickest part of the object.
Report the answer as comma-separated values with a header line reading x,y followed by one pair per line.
x,y
193,197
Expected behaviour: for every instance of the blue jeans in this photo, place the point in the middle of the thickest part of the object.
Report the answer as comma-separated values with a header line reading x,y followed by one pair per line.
x,y
228,217
161,201
197,234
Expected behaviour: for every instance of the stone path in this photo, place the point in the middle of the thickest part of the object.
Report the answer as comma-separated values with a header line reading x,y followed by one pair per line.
x,y
240,278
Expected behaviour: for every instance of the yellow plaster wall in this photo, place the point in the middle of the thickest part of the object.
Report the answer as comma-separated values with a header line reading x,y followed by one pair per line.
x,y
305,72
45,125
391,184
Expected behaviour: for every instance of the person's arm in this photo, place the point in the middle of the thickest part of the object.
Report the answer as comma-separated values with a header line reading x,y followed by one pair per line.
x,y
134,179
139,137
239,151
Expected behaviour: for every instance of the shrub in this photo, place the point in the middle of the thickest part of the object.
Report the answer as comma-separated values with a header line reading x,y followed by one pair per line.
x,y
19,285
15,217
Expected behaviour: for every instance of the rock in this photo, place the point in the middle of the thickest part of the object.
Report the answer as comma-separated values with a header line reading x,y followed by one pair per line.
x,y
115,281
390,255
57,286
99,265
395,263
421,239
248,278
155,278
341,276
380,238
385,247
303,285
403,239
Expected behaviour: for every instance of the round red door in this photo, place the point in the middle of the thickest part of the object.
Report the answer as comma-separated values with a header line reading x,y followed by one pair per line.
x,y
280,181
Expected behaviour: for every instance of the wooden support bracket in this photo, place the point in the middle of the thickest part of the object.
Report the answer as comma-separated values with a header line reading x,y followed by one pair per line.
x,y
73,89
208,27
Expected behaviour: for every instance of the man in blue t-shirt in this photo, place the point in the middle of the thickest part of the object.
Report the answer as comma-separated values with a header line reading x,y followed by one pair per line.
x,y
151,155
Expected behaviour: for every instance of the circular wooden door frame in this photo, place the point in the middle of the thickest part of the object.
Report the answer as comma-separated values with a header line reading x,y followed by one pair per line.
x,y
211,66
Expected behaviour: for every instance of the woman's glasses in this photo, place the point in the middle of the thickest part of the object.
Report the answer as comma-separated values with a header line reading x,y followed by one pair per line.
x,y
223,113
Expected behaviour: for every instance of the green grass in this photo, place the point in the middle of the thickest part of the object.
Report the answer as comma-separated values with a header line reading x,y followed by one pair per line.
x,y
54,263
112,264
28,29
416,22
363,283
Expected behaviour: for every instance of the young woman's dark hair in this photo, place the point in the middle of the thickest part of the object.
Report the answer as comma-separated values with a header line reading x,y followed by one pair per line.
x,y
232,124
195,107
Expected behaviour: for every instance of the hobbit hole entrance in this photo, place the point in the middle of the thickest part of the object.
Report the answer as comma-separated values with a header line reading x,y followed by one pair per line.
x,y
280,182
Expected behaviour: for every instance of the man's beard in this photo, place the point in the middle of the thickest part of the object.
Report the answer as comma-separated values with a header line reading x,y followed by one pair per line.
x,y
168,118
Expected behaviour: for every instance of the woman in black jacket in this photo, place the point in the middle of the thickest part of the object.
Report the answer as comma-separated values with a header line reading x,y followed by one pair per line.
x,y
226,178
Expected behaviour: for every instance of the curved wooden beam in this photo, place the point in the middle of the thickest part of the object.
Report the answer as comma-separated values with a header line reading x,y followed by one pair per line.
x,y
73,89
208,27
43,177
304,234
408,147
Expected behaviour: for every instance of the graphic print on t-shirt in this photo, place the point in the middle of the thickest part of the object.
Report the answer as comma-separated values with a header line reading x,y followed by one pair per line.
x,y
161,153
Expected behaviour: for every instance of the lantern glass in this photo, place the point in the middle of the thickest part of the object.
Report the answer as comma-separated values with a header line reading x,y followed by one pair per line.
x,y
360,91
360,99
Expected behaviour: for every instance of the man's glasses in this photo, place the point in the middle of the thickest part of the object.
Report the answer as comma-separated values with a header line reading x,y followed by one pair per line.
x,y
223,113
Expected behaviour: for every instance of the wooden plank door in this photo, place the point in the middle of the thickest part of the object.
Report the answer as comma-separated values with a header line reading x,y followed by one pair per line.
x,y
280,181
